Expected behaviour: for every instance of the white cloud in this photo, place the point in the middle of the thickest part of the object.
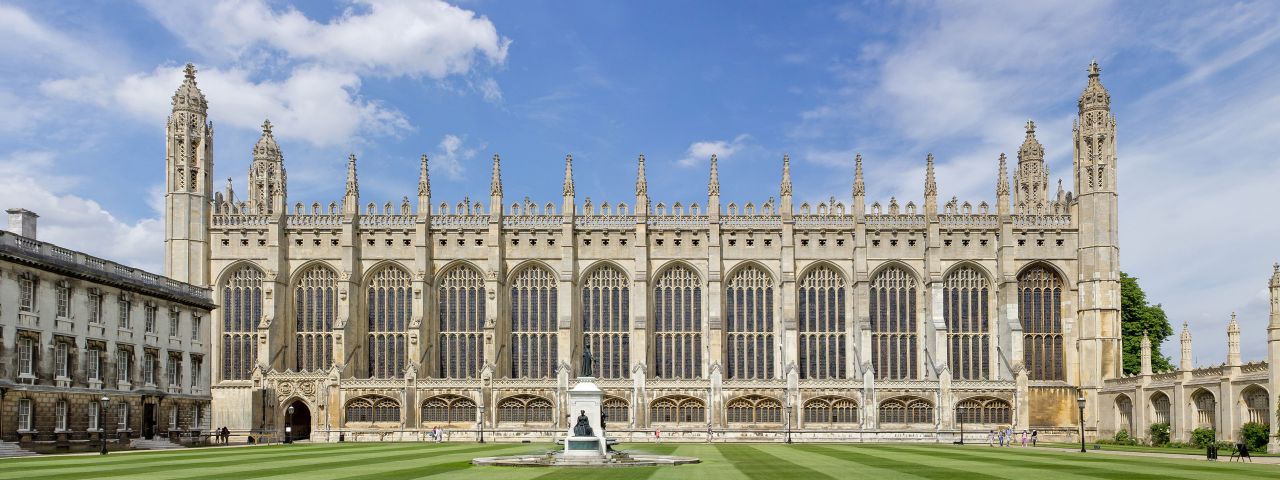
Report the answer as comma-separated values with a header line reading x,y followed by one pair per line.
x,y
78,223
392,38
315,104
699,152
452,155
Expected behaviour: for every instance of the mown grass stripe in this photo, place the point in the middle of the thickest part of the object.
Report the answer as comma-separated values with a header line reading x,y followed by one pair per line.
x,y
183,464
54,462
755,463
1064,465
432,468
1177,466
916,469
382,457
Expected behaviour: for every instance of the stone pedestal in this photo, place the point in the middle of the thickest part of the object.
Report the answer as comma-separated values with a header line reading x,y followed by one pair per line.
x,y
585,398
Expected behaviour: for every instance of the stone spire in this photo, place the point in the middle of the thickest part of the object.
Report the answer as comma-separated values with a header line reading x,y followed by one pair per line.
x,y
1002,187
1275,302
267,181
1095,96
1275,275
495,180
230,193
859,188
568,175
1233,341
713,185
1033,176
351,200
785,189
424,179
1184,363
642,184
1146,354
189,98
930,188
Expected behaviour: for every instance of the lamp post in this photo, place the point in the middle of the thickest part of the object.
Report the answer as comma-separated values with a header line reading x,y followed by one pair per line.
x,y
1080,403
480,423
960,414
786,410
102,421
288,424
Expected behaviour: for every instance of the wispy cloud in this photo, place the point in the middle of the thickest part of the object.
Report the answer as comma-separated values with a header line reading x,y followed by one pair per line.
x,y
701,152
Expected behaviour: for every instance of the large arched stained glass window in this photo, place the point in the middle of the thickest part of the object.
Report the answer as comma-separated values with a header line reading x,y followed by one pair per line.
x,y
606,320
820,303
830,410
965,309
901,410
677,324
754,409
461,298
1040,308
749,324
315,305
241,311
533,324
984,410
893,324
390,308
678,409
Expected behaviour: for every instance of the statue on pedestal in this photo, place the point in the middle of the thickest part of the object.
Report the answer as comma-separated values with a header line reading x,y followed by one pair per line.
x,y
586,370
583,427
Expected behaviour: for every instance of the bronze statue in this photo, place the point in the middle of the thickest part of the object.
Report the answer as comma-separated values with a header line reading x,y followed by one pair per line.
x,y
586,370
583,427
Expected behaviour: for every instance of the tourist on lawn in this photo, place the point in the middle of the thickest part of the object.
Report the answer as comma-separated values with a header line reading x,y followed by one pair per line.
x,y
439,434
657,435
991,438
1001,437
1024,438
1034,433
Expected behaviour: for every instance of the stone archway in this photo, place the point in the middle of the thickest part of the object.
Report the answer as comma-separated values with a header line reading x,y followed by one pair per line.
x,y
301,420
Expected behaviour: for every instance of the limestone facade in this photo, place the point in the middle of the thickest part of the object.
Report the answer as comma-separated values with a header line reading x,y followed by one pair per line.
x,y
851,318
75,328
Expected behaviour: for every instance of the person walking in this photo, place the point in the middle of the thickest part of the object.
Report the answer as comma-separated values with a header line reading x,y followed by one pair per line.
x,y
1001,437
657,435
991,438
1034,433
1024,438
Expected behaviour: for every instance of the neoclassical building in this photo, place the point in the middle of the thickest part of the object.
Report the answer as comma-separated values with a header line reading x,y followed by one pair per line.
x,y
846,318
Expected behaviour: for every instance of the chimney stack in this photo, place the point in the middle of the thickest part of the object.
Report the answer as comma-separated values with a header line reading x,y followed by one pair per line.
x,y
22,222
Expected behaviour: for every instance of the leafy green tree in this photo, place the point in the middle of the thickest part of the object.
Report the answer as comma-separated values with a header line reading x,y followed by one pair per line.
x,y
1136,317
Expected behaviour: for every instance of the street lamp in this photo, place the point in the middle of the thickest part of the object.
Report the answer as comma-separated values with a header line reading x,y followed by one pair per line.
x,y
960,413
480,423
102,424
1080,403
288,425
786,410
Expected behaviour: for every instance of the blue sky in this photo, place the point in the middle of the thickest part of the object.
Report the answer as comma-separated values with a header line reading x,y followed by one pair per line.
x,y
85,88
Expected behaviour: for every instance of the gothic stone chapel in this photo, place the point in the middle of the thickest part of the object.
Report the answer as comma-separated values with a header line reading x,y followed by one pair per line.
x,y
896,320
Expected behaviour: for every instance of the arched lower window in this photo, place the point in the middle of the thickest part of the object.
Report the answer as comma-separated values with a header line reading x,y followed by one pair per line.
x,y
677,324
606,320
678,410
450,409
754,409
1206,409
821,311
315,306
533,324
390,308
749,339
1040,309
616,411
984,410
462,317
373,409
893,324
524,409
965,310
1160,409
1124,414
241,311
903,410
830,410
1256,405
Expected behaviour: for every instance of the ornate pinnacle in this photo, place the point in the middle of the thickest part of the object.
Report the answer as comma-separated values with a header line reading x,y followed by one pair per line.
x,y
1095,96
642,185
568,175
190,71
1186,333
786,175
930,183
353,185
1094,70
424,179
188,96
1232,326
713,186
1002,185
1275,275
1031,150
495,181
859,189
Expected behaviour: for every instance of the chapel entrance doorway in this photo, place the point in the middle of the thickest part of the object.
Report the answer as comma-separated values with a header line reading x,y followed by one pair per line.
x,y
301,421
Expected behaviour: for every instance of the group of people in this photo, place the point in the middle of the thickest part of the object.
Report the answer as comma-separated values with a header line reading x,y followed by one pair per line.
x,y
224,435
1007,437
436,434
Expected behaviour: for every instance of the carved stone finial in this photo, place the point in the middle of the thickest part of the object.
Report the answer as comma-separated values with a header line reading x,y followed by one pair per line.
x,y
713,186
1002,185
1095,96
424,179
859,188
785,190
190,71
930,182
353,184
642,184
568,175
495,180
266,126
188,97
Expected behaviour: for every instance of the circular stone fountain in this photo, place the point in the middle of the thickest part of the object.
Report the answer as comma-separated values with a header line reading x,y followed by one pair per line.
x,y
585,444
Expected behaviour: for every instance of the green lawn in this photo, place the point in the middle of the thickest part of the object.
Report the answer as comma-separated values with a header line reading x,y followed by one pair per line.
x,y
746,461
1192,451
